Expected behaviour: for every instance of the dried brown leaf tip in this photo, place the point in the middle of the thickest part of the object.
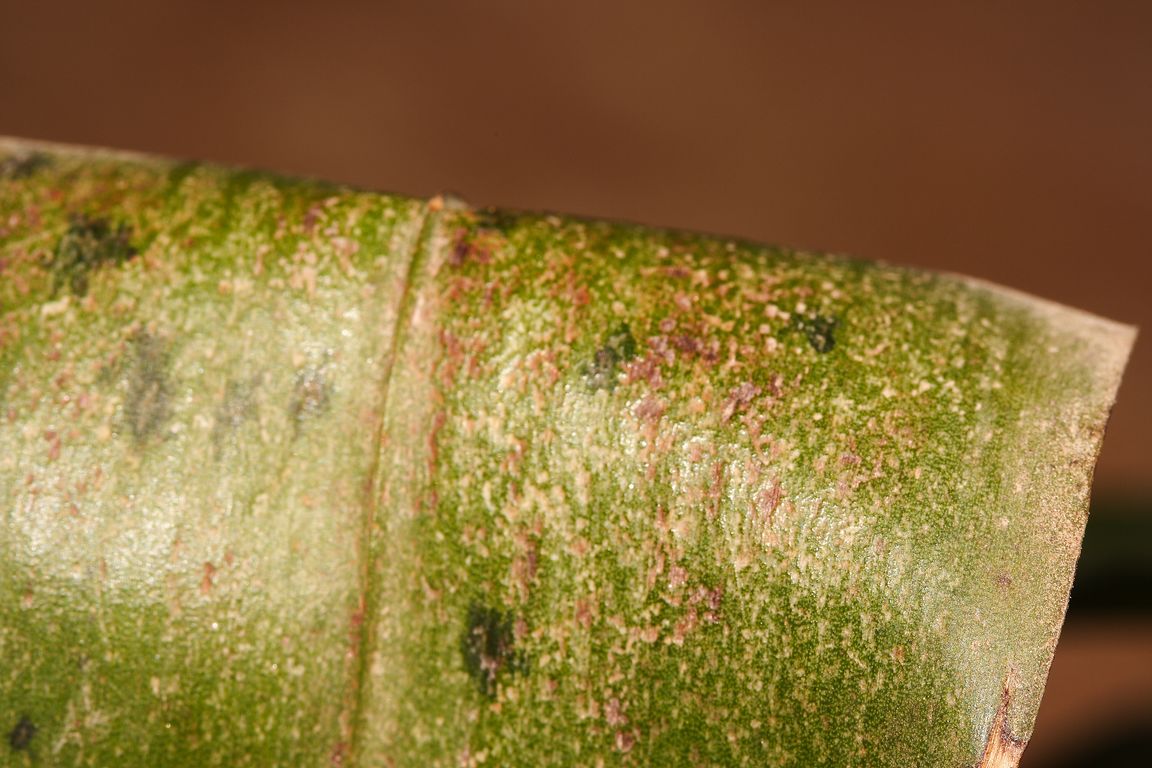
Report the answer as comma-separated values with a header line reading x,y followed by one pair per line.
x,y
1003,749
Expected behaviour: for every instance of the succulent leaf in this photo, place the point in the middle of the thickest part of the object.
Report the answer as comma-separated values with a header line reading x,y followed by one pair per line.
x,y
295,474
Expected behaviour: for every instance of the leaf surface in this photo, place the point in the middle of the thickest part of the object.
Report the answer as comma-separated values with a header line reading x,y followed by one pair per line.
x,y
298,474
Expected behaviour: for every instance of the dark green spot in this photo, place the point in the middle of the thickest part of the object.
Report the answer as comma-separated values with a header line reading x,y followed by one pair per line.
x,y
496,220
21,736
88,244
819,330
180,172
147,407
23,164
310,397
619,347
238,405
487,647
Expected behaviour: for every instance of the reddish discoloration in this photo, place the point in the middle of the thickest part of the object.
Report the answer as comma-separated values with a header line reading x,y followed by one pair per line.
x,y
52,437
472,246
694,347
739,399
207,579
767,501
356,627
645,369
614,713
339,754
525,563
586,611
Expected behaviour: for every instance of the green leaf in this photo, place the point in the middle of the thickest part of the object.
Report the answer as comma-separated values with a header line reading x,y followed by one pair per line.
x,y
295,474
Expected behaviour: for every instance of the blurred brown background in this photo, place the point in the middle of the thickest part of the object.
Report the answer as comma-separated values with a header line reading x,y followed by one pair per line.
x,y
1008,141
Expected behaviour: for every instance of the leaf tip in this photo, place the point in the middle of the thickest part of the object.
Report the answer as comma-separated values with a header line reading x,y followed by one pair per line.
x,y
1003,748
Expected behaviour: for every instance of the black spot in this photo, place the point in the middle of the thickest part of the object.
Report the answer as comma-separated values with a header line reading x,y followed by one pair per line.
x,y
147,407
487,647
21,736
600,371
310,397
88,244
496,220
23,164
819,331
